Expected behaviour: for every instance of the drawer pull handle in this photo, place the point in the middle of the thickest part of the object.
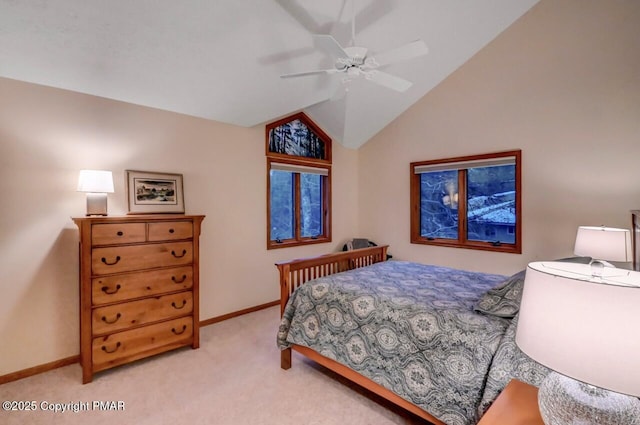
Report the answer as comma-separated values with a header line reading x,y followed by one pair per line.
x,y
104,260
106,290
120,233
104,348
171,230
111,322
184,252
184,328
173,304
184,277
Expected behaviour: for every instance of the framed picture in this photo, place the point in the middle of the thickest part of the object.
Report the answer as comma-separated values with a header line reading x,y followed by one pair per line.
x,y
154,193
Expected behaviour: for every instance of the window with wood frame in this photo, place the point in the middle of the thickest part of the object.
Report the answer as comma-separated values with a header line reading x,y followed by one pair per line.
x,y
298,183
468,202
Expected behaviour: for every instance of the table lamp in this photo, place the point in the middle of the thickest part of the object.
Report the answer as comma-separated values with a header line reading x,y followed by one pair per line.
x,y
603,244
585,329
97,184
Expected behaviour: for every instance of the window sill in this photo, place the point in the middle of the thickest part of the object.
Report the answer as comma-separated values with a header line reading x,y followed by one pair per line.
x,y
290,243
482,246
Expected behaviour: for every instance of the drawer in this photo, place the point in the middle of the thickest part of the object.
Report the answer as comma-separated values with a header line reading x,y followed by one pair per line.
x,y
170,230
110,289
117,233
126,346
121,316
118,259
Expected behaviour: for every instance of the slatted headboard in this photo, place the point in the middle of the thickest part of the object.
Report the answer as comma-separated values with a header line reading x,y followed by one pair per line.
x,y
294,273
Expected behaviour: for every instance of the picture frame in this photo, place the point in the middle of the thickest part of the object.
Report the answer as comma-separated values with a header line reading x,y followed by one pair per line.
x,y
150,192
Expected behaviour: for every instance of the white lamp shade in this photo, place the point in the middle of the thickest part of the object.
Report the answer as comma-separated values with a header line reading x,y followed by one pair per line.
x,y
583,329
603,243
96,181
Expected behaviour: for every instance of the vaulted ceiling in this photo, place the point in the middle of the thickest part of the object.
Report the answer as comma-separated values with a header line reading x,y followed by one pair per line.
x,y
222,59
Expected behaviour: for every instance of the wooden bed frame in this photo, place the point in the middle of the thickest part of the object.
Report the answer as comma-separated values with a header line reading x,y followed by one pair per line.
x,y
296,272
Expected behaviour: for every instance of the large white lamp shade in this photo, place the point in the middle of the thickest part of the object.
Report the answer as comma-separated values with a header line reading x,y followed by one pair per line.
x,y
584,328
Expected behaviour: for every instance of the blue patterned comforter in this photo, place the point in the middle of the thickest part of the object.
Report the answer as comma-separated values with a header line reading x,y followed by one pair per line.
x,y
409,327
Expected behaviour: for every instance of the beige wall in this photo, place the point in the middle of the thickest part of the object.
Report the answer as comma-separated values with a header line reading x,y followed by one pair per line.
x,y
562,84
47,135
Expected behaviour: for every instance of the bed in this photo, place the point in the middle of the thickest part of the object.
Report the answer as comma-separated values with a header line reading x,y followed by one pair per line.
x,y
409,332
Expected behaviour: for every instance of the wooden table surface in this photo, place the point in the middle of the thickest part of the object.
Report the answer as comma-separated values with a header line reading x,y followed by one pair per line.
x,y
516,405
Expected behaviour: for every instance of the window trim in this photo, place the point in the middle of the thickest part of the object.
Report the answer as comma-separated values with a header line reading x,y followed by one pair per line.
x,y
326,203
292,162
459,164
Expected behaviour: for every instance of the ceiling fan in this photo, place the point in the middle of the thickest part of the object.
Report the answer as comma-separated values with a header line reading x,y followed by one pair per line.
x,y
354,61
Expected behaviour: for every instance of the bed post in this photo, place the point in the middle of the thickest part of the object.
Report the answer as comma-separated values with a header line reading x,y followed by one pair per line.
x,y
285,285
285,359
285,291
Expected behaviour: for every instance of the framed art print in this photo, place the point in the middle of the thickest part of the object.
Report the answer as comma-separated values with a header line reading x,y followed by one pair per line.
x,y
154,193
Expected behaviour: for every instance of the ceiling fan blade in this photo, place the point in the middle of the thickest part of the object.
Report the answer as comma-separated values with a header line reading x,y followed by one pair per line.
x,y
329,44
388,80
402,53
302,74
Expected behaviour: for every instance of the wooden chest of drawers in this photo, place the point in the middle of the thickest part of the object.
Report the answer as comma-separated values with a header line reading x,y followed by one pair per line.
x,y
138,287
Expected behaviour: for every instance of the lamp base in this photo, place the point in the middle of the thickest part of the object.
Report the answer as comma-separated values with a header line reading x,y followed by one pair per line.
x,y
96,203
565,401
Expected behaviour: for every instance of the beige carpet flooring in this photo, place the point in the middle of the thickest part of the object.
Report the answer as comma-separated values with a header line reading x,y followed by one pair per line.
x,y
234,378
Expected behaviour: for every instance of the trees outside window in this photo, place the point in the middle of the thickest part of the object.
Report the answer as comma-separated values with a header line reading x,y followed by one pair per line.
x,y
468,202
298,204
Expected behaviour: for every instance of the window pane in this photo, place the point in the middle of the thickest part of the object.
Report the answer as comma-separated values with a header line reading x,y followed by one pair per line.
x,y
491,204
311,205
439,204
282,208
